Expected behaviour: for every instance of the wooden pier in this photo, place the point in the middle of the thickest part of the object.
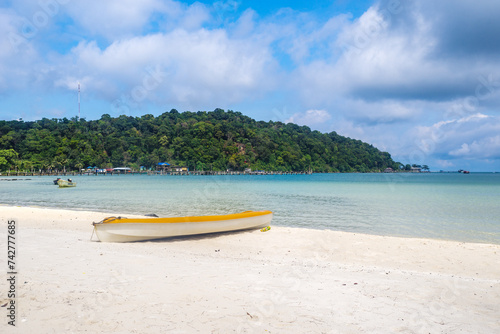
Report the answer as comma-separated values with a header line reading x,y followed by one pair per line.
x,y
167,173
183,173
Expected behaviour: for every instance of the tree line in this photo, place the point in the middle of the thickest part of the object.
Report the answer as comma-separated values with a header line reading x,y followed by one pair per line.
x,y
216,140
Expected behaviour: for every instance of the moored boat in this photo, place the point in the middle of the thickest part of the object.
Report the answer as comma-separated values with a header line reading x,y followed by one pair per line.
x,y
66,184
118,229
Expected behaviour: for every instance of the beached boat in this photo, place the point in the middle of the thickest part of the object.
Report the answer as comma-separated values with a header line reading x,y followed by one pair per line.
x,y
119,229
66,184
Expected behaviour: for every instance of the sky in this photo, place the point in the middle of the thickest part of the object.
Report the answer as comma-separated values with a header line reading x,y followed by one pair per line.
x,y
418,79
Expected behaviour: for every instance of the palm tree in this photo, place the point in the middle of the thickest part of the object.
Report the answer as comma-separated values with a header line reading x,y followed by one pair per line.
x,y
51,166
79,165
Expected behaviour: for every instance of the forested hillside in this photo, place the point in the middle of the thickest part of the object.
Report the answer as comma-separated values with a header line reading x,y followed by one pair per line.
x,y
216,140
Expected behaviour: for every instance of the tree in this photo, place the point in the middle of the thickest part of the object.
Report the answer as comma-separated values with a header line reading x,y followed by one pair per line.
x,y
217,140
7,158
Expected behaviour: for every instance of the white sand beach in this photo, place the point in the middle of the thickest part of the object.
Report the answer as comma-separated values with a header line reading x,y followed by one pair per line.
x,y
286,280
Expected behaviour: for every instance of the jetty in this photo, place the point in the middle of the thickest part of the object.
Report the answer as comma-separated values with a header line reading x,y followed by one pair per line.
x,y
151,173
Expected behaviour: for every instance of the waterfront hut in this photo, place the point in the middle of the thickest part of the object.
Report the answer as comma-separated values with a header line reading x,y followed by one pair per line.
x,y
122,170
91,169
163,167
179,169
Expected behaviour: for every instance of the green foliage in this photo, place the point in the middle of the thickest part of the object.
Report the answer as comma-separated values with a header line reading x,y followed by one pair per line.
x,y
7,158
215,140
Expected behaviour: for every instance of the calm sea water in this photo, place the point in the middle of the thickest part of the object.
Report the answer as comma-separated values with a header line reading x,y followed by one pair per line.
x,y
436,205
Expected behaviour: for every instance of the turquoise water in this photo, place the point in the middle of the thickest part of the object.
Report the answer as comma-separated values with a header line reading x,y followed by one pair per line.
x,y
437,205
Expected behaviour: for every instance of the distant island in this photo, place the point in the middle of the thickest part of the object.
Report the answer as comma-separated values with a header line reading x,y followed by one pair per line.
x,y
217,140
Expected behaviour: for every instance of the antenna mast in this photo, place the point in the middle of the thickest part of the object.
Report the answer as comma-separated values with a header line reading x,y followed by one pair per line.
x,y
78,101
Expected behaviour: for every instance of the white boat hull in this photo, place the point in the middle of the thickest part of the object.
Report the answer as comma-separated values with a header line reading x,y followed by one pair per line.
x,y
129,229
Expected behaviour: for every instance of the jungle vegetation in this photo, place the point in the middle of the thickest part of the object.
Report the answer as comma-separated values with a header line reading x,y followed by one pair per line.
x,y
216,140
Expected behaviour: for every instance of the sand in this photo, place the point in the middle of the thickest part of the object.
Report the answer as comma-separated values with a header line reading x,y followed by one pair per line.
x,y
286,280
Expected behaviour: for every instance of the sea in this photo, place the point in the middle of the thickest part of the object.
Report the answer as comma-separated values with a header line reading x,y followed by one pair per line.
x,y
451,206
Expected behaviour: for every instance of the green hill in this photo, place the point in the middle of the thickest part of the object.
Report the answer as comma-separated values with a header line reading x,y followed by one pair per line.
x,y
215,140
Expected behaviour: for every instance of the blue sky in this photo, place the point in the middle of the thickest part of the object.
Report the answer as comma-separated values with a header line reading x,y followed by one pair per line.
x,y
419,79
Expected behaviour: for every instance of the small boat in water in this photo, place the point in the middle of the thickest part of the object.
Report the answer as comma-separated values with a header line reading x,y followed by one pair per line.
x,y
118,229
66,184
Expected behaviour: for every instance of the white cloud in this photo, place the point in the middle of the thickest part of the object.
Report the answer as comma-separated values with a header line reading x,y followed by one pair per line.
x,y
124,19
381,112
309,41
390,56
445,163
195,16
395,74
310,117
473,136
483,148
116,19
196,67
406,76
245,25
17,54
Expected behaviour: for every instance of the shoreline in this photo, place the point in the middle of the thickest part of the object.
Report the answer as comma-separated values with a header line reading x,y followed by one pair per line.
x,y
281,281
106,213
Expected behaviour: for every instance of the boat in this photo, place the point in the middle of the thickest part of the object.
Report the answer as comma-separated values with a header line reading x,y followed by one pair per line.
x,y
66,184
120,229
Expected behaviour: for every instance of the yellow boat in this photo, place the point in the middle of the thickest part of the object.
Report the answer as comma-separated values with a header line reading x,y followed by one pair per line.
x,y
118,229
66,184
